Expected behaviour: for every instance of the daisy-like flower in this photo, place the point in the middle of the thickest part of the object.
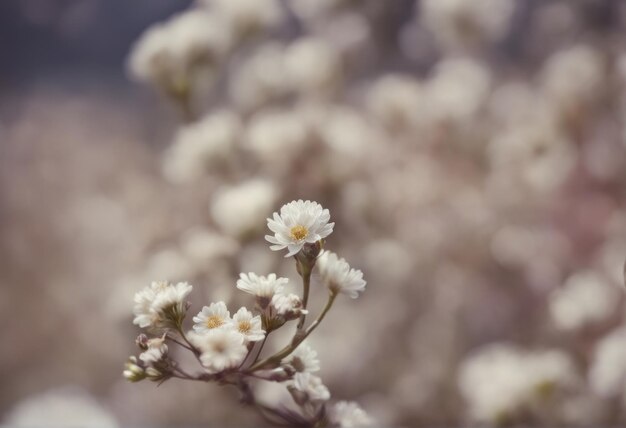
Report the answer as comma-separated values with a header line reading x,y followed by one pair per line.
x,y
161,304
338,276
303,359
221,348
261,286
248,325
311,385
348,414
300,222
214,316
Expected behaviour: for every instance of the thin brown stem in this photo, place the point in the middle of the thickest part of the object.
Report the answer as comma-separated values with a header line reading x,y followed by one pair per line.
x,y
277,357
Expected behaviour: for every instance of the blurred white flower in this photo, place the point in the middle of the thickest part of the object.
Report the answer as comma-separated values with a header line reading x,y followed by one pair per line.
x,y
585,71
261,286
260,78
461,23
499,382
311,385
348,414
152,302
238,210
457,89
300,222
585,298
312,65
397,101
201,145
536,152
167,53
607,375
221,348
211,317
169,264
246,16
277,137
248,325
66,407
310,10
203,246
303,359
338,276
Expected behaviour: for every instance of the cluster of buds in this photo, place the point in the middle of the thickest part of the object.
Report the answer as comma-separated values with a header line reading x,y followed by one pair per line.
x,y
229,349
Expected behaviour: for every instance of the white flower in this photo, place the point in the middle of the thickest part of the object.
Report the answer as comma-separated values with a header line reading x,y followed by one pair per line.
x,y
154,303
245,16
288,304
221,348
607,375
237,210
502,381
338,275
166,53
300,222
67,406
586,298
312,65
201,145
211,317
157,349
460,22
248,325
312,386
348,414
303,359
261,286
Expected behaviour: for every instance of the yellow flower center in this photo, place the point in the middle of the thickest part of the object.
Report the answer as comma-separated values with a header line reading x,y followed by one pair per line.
x,y
299,232
214,321
244,327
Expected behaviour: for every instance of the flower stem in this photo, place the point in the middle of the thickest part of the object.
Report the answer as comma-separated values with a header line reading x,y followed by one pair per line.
x,y
306,285
277,357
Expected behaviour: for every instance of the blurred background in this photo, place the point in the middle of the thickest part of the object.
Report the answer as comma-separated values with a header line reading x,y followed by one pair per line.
x,y
472,155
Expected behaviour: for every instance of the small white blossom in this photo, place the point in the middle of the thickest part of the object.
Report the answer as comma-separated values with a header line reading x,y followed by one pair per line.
x,y
348,414
211,317
300,222
261,286
288,304
221,348
303,359
157,349
312,386
338,276
248,325
159,297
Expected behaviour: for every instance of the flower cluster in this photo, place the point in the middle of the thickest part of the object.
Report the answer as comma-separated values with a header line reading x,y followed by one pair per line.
x,y
228,348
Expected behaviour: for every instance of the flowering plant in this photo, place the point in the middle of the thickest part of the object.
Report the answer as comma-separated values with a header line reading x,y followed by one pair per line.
x,y
229,349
